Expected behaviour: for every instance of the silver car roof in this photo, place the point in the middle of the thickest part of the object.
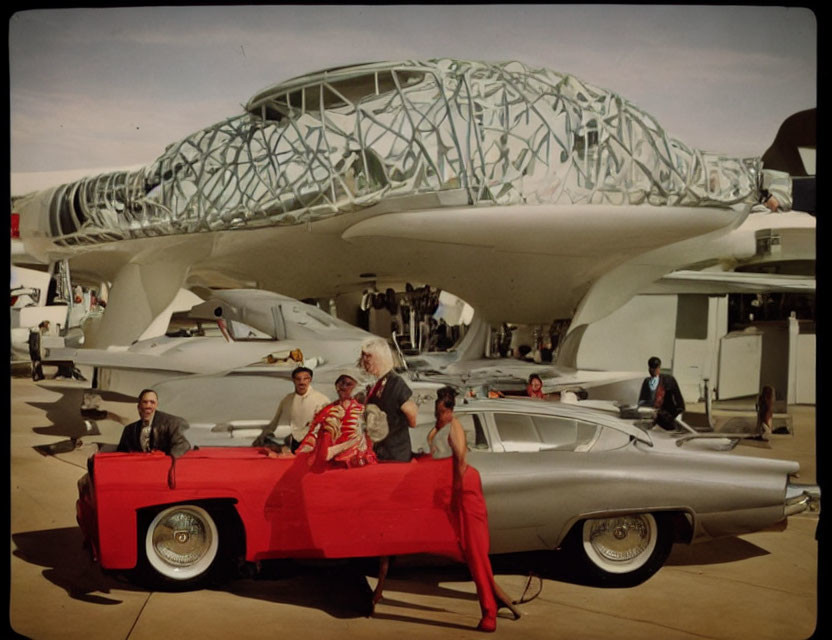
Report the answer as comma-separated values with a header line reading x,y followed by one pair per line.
x,y
560,409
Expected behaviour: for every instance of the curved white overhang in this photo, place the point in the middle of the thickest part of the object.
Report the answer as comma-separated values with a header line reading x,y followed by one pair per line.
x,y
499,133
557,230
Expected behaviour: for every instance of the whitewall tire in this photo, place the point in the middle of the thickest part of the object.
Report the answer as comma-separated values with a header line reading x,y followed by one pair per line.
x,y
181,543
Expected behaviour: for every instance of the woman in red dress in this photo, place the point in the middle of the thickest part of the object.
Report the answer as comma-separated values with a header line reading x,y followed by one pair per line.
x,y
468,508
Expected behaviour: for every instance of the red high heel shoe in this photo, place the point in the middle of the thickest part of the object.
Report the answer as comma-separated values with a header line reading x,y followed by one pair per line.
x,y
488,624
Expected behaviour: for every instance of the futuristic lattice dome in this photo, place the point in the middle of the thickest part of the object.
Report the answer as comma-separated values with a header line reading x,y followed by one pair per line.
x,y
349,138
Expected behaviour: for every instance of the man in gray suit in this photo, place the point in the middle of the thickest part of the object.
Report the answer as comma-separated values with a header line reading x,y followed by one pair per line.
x,y
155,431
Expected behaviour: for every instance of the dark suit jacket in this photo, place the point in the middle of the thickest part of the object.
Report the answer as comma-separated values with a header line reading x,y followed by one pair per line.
x,y
166,434
673,403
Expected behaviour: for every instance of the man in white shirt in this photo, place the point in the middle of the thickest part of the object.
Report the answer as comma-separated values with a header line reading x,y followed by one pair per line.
x,y
296,410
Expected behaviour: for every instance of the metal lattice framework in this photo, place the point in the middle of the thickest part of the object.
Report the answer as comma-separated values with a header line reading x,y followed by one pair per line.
x,y
349,138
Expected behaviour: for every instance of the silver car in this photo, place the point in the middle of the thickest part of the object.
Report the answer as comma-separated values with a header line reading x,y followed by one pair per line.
x,y
615,495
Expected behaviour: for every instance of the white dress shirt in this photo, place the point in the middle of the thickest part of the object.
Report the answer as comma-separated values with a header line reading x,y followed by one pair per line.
x,y
144,437
297,411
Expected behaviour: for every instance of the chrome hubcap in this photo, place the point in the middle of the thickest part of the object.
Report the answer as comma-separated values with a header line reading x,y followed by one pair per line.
x,y
620,539
181,538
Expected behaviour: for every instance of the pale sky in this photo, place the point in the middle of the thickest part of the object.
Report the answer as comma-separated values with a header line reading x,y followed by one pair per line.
x,y
94,88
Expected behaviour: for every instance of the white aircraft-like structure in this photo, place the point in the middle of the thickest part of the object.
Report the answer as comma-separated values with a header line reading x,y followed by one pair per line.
x,y
528,193
244,331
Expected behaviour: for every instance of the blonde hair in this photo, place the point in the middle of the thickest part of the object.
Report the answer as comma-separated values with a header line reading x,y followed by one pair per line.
x,y
382,356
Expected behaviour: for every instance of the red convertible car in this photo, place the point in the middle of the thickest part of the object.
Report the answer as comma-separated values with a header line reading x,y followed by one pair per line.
x,y
178,522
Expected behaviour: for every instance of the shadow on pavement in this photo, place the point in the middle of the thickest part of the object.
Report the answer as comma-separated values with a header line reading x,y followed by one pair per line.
x,y
557,565
65,420
64,415
340,587
67,564
713,552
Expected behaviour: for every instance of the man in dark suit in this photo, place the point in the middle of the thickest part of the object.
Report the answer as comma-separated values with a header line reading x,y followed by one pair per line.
x,y
35,349
661,392
155,431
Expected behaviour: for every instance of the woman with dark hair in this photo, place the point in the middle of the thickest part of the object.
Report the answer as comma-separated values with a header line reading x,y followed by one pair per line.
x,y
469,512
534,387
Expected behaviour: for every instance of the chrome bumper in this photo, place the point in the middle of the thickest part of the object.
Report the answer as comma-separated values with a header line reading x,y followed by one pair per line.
x,y
801,497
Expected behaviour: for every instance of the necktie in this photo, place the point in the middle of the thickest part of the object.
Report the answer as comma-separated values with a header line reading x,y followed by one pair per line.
x,y
145,436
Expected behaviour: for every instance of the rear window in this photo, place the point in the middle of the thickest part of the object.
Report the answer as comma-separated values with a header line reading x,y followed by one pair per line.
x,y
524,432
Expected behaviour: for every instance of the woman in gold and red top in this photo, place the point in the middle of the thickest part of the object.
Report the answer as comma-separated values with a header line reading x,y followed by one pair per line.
x,y
336,437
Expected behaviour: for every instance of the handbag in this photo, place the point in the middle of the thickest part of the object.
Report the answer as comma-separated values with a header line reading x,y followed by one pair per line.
x,y
375,421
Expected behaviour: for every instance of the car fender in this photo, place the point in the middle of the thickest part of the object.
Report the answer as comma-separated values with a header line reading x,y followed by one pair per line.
x,y
123,491
684,520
